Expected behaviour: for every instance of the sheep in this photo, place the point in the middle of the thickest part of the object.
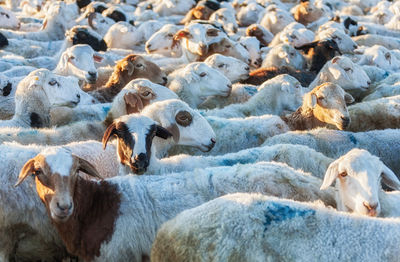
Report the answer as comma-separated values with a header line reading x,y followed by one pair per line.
x,y
37,93
249,13
294,34
153,194
319,52
306,13
227,18
171,7
8,20
254,227
374,73
79,61
8,86
130,67
202,11
196,81
284,55
54,26
260,75
334,143
161,42
99,23
234,69
358,175
343,41
373,39
381,57
132,98
375,114
274,96
252,45
27,234
275,20
263,35
348,75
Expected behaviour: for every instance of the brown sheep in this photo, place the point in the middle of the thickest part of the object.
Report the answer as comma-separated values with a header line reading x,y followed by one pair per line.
x,y
306,13
262,34
202,11
127,69
259,76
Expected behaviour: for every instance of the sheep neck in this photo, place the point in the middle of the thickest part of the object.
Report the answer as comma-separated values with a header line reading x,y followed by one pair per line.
x,y
186,92
302,119
33,115
96,209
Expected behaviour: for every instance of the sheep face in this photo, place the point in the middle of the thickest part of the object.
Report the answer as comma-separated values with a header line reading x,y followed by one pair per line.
x,y
380,57
8,20
206,81
121,35
135,66
328,102
306,13
253,46
275,20
84,35
135,135
284,55
227,18
234,69
194,39
348,75
358,177
58,90
55,171
79,61
297,37
291,91
344,42
161,41
248,14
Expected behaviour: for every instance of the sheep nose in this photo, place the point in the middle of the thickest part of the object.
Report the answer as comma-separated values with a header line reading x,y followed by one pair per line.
x,y
368,82
148,46
165,79
78,96
140,157
247,68
249,61
64,207
203,48
371,208
7,89
355,46
345,121
213,141
93,74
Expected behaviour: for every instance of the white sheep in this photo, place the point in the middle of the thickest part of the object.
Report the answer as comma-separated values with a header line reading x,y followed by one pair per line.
x,y
226,17
171,7
197,81
8,20
294,34
161,42
276,19
284,55
358,175
37,93
234,69
334,144
275,96
99,23
249,13
381,57
156,198
342,71
374,39
254,227
344,42
252,45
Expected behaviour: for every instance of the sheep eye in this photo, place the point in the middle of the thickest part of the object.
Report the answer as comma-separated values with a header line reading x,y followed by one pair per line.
x,y
228,46
37,172
72,57
53,82
170,35
221,65
291,54
102,21
321,98
343,174
348,69
146,93
139,65
387,56
203,74
293,36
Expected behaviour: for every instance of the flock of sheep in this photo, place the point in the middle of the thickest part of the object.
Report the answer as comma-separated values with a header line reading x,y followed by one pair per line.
x,y
183,130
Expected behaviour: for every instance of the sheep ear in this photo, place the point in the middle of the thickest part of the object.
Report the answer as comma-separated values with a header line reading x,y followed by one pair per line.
x,y
128,66
87,168
348,98
282,54
389,178
335,59
97,58
133,103
307,47
26,170
310,100
330,175
44,24
162,132
334,70
174,130
110,131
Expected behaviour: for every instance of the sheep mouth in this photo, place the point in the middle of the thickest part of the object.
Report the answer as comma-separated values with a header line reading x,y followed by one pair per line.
x,y
59,217
206,148
91,80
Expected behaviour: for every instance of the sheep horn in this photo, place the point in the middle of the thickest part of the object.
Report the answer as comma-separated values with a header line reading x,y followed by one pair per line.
x,y
90,20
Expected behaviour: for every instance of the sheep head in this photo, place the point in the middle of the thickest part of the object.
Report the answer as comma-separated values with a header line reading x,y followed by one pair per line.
x,y
328,104
358,175
55,171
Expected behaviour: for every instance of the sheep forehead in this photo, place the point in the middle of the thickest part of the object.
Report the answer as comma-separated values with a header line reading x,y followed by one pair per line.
x,y
137,123
331,91
81,49
59,160
359,162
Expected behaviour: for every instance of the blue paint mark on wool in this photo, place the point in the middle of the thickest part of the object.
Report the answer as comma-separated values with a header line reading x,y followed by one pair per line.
x,y
353,139
26,133
106,109
277,213
250,90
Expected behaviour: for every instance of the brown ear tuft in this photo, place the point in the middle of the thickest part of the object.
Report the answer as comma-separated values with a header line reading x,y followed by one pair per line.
x,y
110,131
335,59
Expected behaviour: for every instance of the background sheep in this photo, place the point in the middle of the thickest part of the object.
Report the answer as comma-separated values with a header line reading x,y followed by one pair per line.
x,y
252,226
